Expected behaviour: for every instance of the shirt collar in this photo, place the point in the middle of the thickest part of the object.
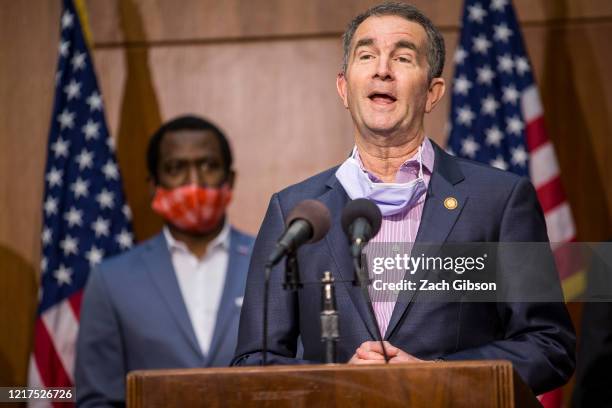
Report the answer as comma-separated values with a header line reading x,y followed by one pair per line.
x,y
222,240
427,157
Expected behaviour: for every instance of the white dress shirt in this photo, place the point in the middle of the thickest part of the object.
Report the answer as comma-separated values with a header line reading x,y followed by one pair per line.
x,y
201,281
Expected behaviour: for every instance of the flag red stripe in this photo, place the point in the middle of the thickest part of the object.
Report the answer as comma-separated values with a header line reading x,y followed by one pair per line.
x,y
552,399
536,134
75,303
551,194
568,259
50,367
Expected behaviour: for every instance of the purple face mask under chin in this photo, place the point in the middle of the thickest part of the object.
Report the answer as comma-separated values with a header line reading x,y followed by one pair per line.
x,y
391,198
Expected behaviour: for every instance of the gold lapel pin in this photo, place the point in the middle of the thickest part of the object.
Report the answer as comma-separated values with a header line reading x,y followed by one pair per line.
x,y
450,203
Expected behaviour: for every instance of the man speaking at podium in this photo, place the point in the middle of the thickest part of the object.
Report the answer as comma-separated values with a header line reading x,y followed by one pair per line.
x,y
391,77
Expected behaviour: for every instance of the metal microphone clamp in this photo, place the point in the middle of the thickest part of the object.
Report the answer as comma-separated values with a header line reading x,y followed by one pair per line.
x,y
292,273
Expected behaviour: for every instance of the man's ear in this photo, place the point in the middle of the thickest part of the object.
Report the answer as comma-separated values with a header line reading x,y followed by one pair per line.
x,y
341,87
434,93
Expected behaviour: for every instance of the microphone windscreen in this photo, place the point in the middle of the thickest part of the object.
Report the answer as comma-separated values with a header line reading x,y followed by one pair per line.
x,y
316,214
361,208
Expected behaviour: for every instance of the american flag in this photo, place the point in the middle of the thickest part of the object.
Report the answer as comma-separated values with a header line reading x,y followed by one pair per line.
x,y
497,116
85,217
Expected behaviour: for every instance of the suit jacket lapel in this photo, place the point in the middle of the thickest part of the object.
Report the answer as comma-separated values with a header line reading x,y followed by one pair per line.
x,y
436,223
233,290
161,271
335,199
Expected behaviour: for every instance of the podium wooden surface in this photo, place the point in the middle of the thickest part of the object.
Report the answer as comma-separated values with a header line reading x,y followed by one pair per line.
x,y
444,384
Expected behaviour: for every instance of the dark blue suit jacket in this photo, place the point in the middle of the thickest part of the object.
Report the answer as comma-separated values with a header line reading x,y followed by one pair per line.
x,y
133,317
494,206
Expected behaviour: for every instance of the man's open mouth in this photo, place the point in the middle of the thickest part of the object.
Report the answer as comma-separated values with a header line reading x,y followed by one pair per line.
x,y
382,97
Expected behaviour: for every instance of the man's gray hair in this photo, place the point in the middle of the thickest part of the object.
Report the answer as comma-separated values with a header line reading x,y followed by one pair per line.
x,y
435,41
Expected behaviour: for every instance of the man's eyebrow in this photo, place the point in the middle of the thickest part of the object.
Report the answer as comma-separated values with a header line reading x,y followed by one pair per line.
x,y
406,44
364,42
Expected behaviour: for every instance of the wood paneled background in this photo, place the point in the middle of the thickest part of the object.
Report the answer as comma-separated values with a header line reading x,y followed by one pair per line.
x,y
264,70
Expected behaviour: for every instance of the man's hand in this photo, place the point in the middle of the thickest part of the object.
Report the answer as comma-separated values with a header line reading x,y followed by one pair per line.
x,y
370,352
403,357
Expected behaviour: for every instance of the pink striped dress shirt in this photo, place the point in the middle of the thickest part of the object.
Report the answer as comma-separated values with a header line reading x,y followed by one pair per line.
x,y
397,233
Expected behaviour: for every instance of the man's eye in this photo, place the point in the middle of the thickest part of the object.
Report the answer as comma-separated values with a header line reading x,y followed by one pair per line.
x,y
209,165
366,56
404,59
174,168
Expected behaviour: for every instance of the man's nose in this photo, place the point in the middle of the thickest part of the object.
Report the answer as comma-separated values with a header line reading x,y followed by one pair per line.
x,y
193,175
383,69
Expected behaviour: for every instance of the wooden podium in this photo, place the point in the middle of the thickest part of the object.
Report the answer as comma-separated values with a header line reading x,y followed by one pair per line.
x,y
445,384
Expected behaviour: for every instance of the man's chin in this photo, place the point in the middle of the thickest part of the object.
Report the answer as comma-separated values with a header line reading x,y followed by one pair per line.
x,y
384,129
198,233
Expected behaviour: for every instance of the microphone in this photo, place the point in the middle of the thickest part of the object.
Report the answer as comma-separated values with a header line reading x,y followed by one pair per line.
x,y
308,222
361,220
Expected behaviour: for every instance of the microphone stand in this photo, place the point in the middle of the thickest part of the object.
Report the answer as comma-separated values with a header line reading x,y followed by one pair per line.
x,y
362,279
292,273
329,318
292,282
264,342
329,314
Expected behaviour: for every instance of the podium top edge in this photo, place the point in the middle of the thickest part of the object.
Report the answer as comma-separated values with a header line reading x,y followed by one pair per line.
x,y
313,368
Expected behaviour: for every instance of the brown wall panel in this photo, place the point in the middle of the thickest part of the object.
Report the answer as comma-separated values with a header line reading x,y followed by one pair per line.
x,y
18,297
26,95
167,20
28,44
210,19
570,63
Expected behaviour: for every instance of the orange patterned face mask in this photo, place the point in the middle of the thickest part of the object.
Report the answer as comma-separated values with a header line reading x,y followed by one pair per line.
x,y
192,208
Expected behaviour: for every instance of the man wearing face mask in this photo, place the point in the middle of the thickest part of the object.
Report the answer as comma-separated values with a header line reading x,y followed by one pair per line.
x,y
173,301
390,79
